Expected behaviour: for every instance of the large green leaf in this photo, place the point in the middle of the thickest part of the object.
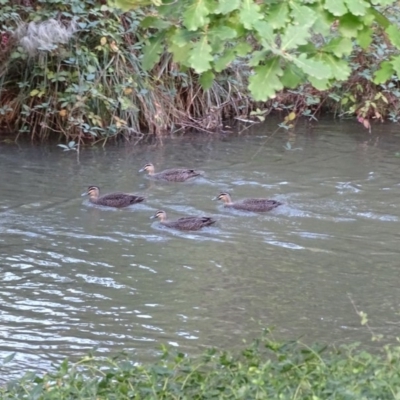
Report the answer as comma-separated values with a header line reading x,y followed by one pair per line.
x,y
227,6
383,2
364,37
265,82
126,5
340,68
180,53
278,15
242,49
395,61
224,60
384,73
196,15
339,46
152,51
154,22
302,15
336,7
295,35
206,80
249,13
357,7
349,25
394,35
319,84
257,57
313,67
292,76
200,56
266,33
223,32
181,37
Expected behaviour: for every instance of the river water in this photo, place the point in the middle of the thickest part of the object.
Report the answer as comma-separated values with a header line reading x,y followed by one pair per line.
x,y
75,276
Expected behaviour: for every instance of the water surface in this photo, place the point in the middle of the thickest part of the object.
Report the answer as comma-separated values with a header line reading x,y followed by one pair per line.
x,y
75,276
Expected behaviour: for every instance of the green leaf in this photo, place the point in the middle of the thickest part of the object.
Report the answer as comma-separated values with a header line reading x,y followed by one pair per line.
x,y
265,82
383,2
384,73
394,35
292,76
349,25
200,56
181,37
395,61
313,67
152,51
154,22
195,15
340,68
364,37
206,80
227,6
303,16
223,32
336,7
257,57
180,53
264,29
294,36
339,46
242,49
278,15
357,7
126,5
319,84
249,13
223,61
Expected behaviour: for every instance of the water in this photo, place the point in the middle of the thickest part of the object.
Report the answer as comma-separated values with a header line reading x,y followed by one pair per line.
x,y
75,276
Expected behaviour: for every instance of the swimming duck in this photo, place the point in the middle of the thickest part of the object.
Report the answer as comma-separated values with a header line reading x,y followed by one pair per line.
x,y
248,204
173,174
184,223
116,199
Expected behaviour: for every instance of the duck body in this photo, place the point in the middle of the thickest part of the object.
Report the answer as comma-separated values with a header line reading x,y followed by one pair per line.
x,y
116,200
255,205
173,174
184,223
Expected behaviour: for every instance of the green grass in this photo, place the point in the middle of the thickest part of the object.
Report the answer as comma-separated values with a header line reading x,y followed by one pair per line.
x,y
263,370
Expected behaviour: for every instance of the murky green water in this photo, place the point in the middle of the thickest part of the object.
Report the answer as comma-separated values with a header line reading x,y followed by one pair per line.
x,y
74,276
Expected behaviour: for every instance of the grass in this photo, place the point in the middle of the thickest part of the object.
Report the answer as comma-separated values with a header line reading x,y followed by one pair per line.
x,y
265,369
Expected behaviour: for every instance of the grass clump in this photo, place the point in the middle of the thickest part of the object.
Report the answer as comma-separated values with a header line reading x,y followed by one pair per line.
x,y
264,370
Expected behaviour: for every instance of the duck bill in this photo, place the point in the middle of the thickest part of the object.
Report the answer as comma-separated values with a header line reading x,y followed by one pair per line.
x,y
215,198
141,169
84,194
153,217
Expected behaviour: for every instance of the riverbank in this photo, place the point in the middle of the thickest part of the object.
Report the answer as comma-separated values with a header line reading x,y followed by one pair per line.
x,y
264,369
80,75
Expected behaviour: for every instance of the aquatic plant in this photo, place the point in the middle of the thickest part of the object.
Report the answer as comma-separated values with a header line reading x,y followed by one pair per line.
x,y
265,369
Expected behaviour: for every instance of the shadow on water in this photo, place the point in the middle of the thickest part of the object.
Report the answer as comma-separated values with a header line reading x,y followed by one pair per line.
x,y
75,276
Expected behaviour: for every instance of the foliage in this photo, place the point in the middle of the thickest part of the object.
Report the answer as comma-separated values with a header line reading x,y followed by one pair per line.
x,y
265,369
286,43
344,53
88,71
73,69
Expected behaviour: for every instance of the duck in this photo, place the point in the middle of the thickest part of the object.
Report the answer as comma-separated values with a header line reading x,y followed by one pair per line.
x,y
184,223
117,199
248,204
173,174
